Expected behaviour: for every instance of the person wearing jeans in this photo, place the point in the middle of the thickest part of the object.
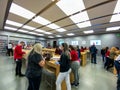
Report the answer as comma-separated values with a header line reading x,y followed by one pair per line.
x,y
61,77
64,68
75,64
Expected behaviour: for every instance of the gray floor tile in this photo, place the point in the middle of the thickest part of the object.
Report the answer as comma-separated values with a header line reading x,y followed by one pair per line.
x,y
92,77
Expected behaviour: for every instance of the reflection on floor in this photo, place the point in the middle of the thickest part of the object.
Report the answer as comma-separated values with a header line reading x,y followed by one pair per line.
x,y
92,77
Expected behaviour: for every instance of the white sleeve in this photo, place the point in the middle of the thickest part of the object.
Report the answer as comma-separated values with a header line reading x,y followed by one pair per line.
x,y
117,58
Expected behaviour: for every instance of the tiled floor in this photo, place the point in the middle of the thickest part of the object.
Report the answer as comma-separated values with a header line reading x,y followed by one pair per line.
x,y
92,77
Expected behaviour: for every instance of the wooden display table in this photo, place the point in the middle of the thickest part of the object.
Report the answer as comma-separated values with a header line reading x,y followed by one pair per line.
x,y
84,58
114,71
46,50
56,69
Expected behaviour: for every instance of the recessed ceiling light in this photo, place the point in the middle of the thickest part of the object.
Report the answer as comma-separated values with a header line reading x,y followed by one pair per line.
x,y
10,28
116,10
13,23
48,33
50,36
32,32
70,34
58,36
89,31
61,30
41,20
40,34
18,10
28,27
67,8
39,30
113,28
24,31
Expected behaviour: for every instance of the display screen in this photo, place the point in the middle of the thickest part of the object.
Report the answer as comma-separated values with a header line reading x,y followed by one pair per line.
x,y
95,42
74,42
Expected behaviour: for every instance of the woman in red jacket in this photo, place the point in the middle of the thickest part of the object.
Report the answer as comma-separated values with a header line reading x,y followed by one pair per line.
x,y
18,53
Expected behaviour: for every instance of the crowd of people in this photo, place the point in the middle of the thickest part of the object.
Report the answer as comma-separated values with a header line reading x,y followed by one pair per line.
x,y
70,58
111,58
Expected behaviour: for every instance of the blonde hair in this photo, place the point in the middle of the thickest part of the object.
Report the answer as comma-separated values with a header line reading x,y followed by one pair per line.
x,y
113,49
37,48
118,52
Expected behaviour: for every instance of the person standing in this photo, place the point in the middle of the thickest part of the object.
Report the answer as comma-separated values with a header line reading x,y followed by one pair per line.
x,y
75,64
18,53
10,50
79,53
64,68
93,51
103,54
34,67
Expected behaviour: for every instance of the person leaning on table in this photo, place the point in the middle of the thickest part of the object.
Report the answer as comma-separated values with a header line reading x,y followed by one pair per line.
x,y
34,67
64,68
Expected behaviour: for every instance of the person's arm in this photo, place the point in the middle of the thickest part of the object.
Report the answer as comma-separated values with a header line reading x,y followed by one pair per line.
x,y
19,51
42,63
39,60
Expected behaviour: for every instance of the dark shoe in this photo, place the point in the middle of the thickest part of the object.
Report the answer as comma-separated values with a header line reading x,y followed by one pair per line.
x,y
21,75
78,83
16,74
72,84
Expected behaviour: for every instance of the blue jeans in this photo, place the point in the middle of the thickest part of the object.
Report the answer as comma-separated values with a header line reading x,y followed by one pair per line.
x,y
117,66
118,82
34,83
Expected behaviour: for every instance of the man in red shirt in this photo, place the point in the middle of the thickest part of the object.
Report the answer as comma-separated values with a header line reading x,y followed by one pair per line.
x,y
18,53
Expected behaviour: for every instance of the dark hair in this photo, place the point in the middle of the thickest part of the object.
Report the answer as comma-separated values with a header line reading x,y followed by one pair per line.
x,y
65,46
71,47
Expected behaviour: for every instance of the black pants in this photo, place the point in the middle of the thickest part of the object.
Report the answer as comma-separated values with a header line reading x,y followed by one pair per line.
x,y
34,83
103,58
106,62
18,67
10,51
93,58
110,63
118,82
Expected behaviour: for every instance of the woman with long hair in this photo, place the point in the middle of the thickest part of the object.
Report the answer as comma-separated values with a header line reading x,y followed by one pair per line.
x,y
64,68
34,67
75,64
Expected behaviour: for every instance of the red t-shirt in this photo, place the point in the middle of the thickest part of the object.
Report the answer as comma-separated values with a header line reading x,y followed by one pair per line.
x,y
107,53
18,53
74,55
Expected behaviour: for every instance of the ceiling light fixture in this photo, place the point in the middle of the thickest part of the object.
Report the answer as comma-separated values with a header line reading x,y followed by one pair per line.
x,y
116,10
58,36
87,32
113,28
65,6
13,23
70,34
18,10
10,28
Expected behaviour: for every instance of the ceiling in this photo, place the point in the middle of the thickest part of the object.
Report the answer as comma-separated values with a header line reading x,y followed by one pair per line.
x,y
60,21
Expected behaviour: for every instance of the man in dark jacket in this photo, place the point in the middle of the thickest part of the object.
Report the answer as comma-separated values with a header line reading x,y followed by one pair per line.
x,y
93,51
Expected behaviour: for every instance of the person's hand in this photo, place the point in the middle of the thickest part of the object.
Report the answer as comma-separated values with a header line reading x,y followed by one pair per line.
x,y
57,62
42,63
